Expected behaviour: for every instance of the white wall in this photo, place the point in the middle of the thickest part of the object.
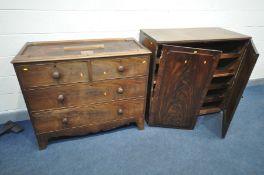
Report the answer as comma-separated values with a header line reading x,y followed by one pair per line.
x,y
38,20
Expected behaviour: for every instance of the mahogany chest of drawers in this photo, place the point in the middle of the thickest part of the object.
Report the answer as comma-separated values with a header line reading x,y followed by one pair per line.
x,y
85,86
196,71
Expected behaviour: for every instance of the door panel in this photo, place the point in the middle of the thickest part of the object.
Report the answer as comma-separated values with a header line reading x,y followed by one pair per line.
x,y
183,78
244,71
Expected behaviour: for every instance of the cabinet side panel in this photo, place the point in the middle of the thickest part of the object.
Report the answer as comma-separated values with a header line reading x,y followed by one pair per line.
x,y
144,40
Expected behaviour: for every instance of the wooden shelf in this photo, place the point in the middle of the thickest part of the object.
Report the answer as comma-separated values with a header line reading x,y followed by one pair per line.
x,y
218,86
208,110
223,74
213,98
229,55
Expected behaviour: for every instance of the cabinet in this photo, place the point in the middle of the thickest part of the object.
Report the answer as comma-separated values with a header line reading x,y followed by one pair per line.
x,y
85,86
196,71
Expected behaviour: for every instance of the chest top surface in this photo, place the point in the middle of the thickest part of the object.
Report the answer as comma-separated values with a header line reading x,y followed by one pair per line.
x,y
78,49
192,35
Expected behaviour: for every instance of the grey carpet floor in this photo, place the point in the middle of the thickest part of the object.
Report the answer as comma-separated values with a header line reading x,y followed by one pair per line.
x,y
153,151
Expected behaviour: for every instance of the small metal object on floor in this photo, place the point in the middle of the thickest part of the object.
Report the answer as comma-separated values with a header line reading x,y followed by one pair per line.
x,y
10,126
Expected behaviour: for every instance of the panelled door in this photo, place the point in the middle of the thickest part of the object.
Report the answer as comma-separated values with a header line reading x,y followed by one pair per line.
x,y
183,79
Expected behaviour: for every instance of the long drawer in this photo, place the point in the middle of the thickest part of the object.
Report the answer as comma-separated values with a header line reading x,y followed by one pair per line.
x,y
54,97
91,115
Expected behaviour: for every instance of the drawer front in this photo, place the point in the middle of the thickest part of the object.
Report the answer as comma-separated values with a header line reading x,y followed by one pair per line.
x,y
52,74
84,93
119,68
90,115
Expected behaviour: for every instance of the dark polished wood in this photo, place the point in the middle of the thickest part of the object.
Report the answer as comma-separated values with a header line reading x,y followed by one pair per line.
x,y
229,78
80,87
248,62
184,74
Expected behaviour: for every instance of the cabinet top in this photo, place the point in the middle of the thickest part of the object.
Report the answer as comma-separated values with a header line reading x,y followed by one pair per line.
x,y
192,35
78,49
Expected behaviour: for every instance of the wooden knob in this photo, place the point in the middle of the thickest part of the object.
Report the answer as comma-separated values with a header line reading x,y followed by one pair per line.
x,y
120,90
121,68
65,120
120,111
56,75
60,98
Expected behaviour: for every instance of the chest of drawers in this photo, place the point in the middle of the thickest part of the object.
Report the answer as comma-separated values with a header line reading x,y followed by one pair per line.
x,y
85,86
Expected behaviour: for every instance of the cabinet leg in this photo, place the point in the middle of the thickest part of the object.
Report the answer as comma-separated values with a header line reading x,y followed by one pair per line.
x,y
42,142
225,123
140,123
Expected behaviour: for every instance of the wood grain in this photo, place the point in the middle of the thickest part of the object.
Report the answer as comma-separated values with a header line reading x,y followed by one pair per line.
x,y
46,51
184,35
180,88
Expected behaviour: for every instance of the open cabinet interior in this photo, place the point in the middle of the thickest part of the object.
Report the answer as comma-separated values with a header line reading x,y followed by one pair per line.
x,y
223,75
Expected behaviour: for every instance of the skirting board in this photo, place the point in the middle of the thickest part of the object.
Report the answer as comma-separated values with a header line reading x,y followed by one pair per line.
x,y
19,115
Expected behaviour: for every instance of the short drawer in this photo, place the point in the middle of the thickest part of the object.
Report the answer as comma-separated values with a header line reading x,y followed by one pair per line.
x,y
119,68
90,115
85,93
52,73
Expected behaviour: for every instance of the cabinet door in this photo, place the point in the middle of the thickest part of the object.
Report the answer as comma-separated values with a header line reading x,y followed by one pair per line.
x,y
246,66
183,77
